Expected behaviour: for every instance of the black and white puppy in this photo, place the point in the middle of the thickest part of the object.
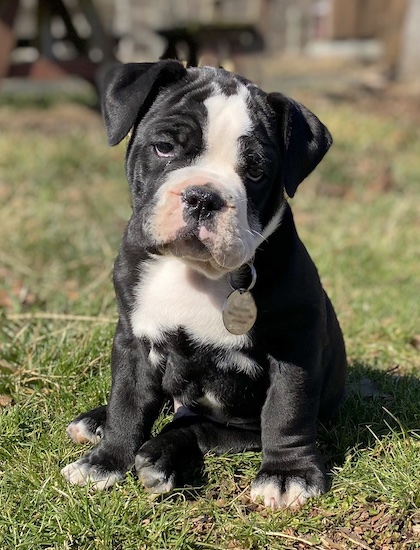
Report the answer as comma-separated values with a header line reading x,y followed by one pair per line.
x,y
209,161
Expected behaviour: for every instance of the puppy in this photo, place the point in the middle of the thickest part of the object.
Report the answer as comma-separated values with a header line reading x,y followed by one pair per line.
x,y
220,306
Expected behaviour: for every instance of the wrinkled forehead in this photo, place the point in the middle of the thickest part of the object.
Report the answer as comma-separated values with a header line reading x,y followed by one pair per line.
x,y
222,112
213,97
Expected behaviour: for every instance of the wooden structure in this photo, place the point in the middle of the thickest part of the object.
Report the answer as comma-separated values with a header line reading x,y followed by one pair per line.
x,y
191,29
82,55
225,40
362,19
61,49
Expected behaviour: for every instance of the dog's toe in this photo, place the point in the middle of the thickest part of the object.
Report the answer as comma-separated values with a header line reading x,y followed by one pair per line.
x,y
283,491
76,473
155,479
267,491
83,473
81,431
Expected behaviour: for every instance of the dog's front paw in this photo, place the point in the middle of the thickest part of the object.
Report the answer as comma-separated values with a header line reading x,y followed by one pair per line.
x,y
287,490
90,470
154,469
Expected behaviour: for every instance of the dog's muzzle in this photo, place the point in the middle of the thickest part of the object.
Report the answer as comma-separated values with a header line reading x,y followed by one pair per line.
x,y
204,218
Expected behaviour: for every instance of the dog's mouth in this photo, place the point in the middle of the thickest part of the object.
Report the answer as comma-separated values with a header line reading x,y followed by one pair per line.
x,y
196,247
188,247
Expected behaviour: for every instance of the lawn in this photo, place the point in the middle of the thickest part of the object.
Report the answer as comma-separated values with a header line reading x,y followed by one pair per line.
x,y
63,206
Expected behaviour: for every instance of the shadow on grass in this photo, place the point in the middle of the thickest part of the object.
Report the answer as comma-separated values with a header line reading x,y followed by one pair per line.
x,y
378,403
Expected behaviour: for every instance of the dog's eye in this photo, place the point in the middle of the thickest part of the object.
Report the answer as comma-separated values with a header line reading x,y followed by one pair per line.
x,y
164,149
255,173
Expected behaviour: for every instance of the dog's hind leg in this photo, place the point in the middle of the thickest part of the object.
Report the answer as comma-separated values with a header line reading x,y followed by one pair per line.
x,y
161,461
88,426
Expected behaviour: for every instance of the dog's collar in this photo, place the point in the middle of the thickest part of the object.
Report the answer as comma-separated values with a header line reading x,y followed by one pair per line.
x,y
253,273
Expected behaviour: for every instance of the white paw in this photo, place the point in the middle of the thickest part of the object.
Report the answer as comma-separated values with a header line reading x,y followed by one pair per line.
x,y
80,432
82,473
155,480
296,492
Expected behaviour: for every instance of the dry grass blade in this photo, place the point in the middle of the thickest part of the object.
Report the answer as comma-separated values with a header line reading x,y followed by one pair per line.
x,y
286,536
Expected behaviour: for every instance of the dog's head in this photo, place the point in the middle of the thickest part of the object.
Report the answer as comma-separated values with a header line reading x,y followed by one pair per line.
x,y
209,158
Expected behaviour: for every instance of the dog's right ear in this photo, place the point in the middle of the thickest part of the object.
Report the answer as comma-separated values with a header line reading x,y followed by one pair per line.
x,y
304,139
128,90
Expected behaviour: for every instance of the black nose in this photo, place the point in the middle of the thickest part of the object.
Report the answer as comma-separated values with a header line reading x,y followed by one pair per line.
x,y
202,202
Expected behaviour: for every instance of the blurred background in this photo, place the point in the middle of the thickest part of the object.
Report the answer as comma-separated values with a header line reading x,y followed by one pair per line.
x,y
49,39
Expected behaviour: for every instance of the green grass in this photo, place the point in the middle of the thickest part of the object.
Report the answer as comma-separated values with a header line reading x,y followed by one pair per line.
x,y
63,206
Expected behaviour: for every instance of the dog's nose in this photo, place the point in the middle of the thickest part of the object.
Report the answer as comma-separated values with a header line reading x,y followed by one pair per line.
x,y
202,202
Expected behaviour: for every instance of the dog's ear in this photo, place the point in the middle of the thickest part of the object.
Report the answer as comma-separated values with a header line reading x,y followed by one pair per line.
x,y
303,137
128,90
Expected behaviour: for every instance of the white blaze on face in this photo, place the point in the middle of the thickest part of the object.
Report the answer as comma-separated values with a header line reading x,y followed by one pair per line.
x,y
231,241
228,120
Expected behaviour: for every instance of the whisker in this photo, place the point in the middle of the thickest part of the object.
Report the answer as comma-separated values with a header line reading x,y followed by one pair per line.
x,y
255,232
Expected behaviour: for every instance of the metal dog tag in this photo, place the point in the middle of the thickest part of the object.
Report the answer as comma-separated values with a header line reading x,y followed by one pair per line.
x,y
239,312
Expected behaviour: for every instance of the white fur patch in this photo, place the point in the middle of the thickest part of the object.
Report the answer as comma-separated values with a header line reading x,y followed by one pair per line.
x,y
82,473
272,224
296,493
210,401
155,357
80,433
155,481
228,120
241,363
170,295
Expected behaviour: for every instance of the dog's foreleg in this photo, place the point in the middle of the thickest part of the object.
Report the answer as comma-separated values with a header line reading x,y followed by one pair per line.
x,y
292,469
135,400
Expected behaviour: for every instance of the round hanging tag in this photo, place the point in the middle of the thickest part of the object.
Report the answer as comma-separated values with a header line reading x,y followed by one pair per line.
x,y
239,312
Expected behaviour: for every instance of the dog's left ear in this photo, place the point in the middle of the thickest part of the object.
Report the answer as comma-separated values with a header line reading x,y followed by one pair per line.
x,y
303,137
128,91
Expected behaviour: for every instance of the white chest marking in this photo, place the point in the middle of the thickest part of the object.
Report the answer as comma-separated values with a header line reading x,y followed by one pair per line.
x,y
170,295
